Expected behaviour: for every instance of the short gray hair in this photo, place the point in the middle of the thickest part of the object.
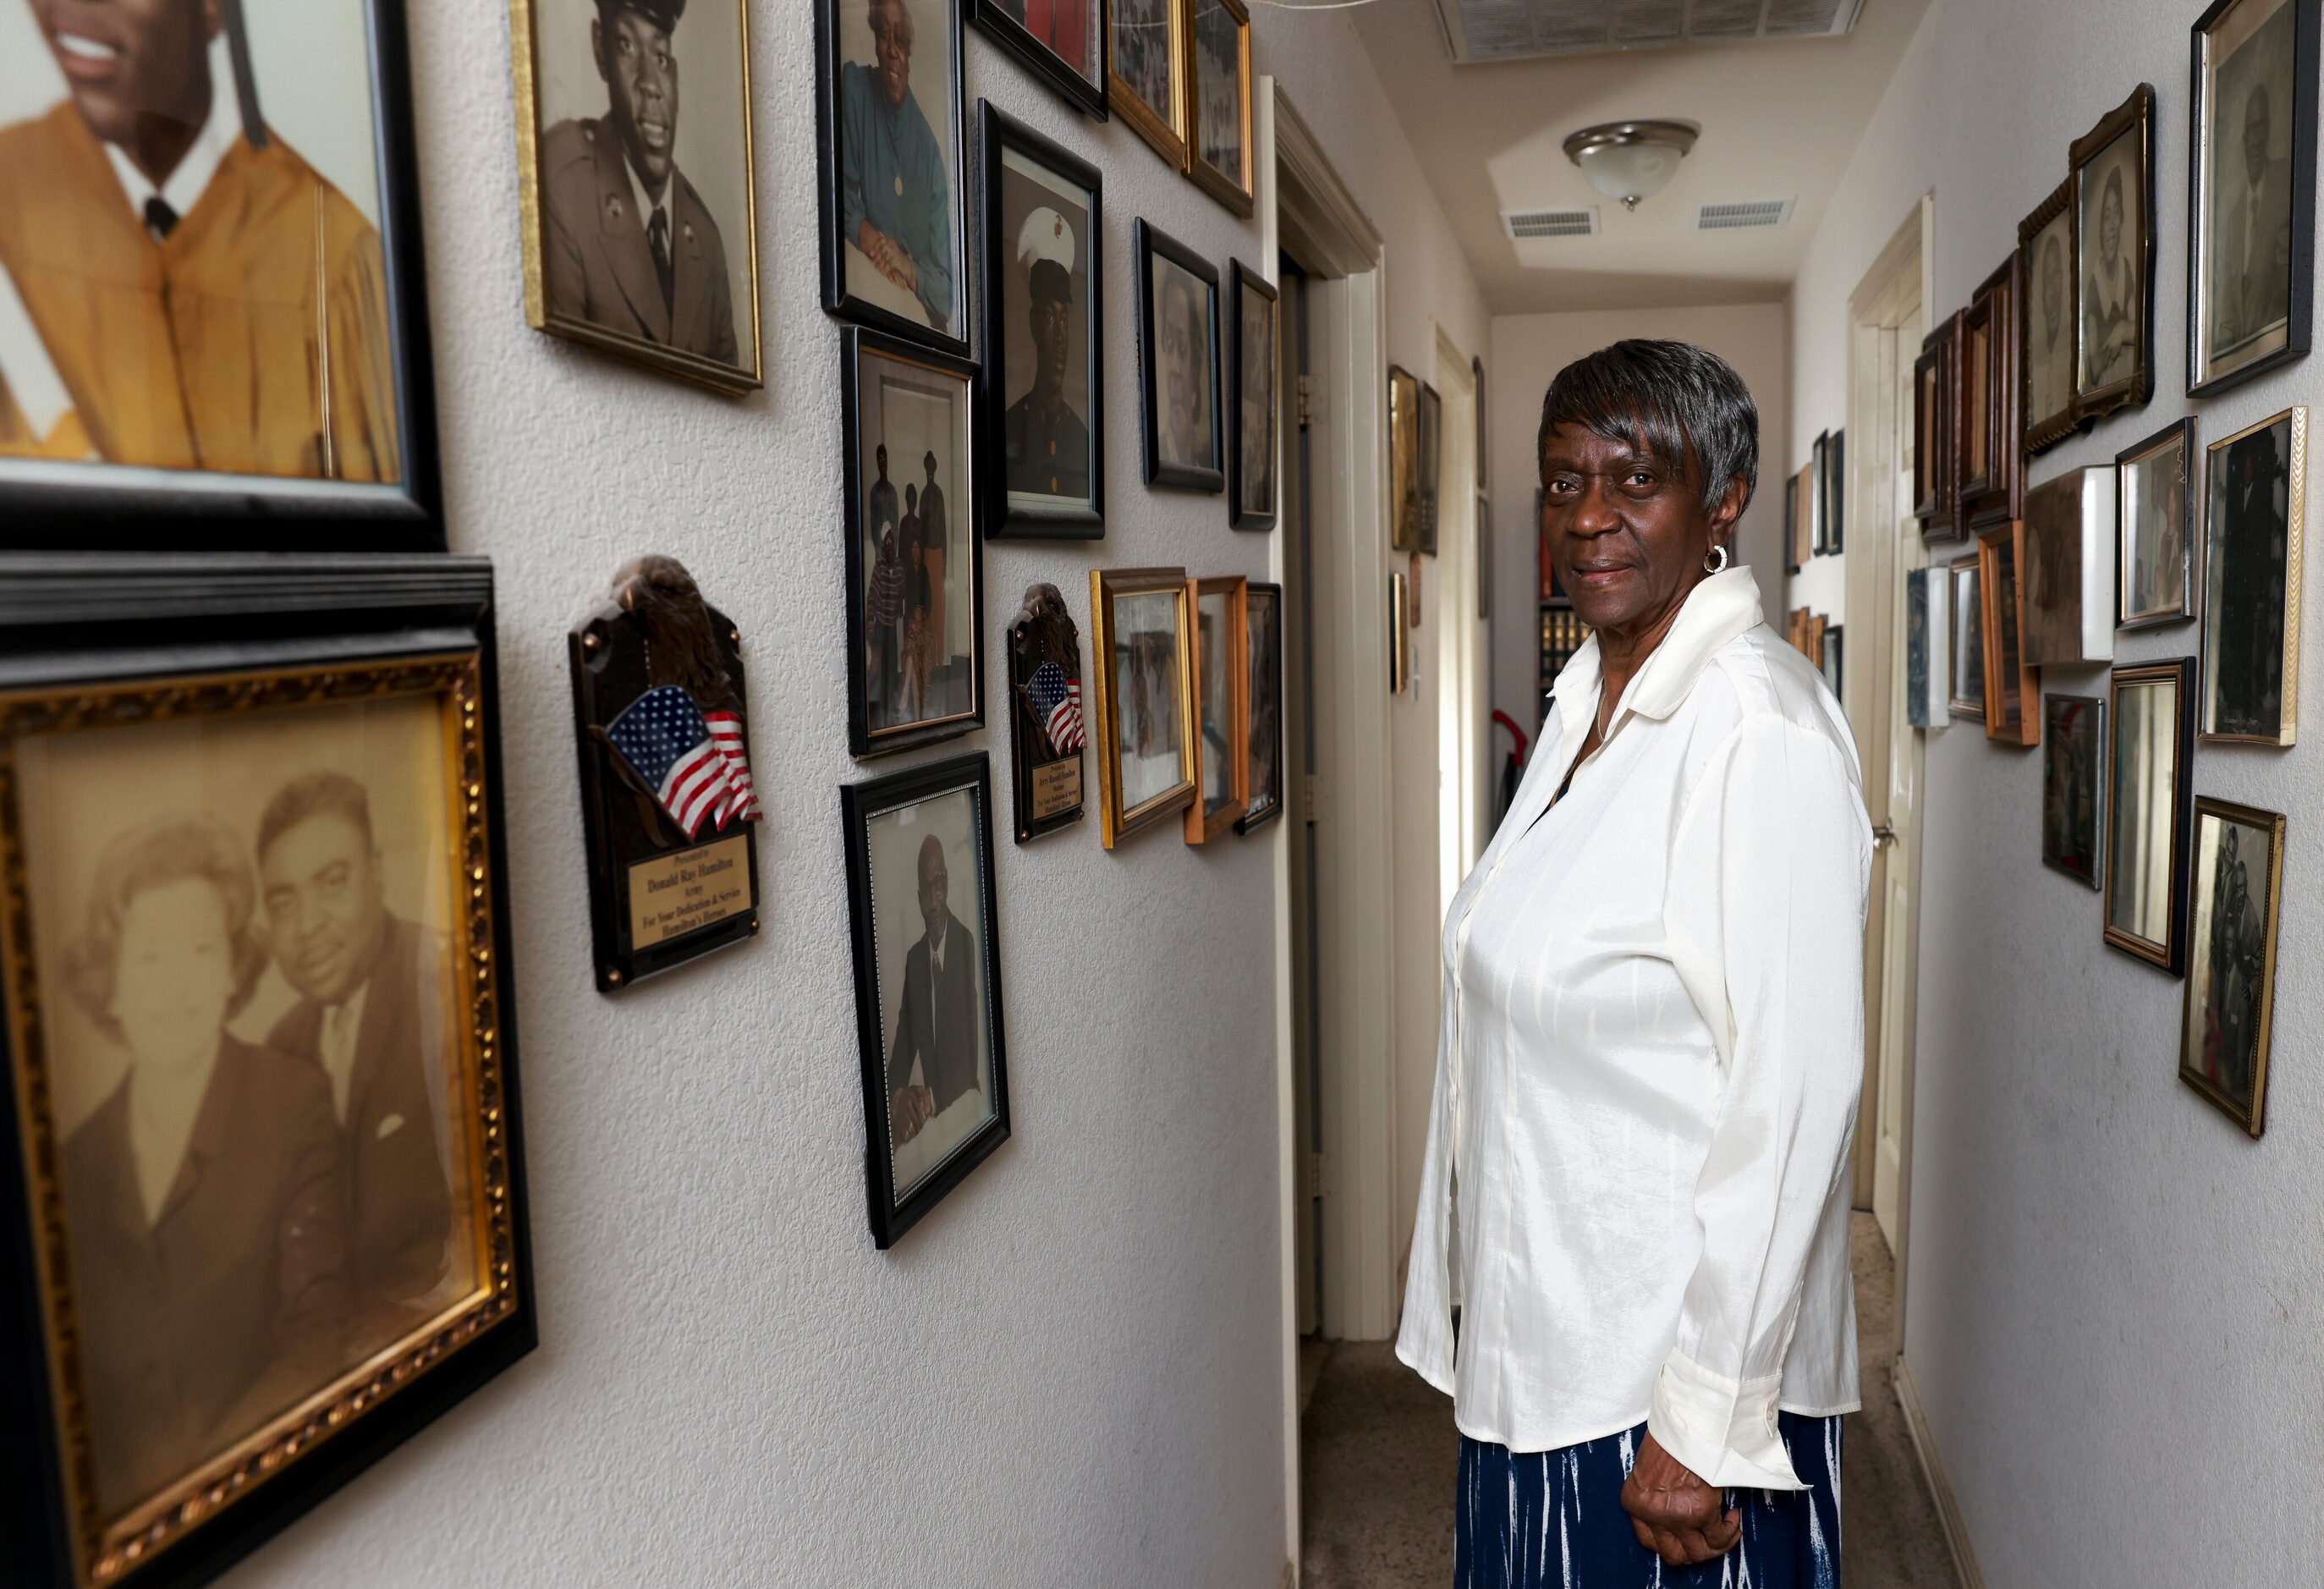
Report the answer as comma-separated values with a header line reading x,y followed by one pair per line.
x,y
1677,403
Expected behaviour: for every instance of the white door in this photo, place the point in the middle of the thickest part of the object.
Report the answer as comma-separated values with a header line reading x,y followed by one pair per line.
x,y
1896,867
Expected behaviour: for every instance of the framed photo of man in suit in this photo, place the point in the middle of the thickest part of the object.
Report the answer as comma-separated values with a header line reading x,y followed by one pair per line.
x,y
213,317
894,129
2252,206
261,1109
927,983
633,159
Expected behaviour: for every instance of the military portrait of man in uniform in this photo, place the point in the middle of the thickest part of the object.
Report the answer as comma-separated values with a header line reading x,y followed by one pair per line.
x,y
631,243
897,130
176,267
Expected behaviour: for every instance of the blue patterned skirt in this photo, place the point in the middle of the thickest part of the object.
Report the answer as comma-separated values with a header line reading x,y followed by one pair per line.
x,y
1553,1519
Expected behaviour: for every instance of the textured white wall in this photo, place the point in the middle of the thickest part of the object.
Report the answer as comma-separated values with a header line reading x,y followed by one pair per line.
x,y
1528,351
2112,1292
1068,1374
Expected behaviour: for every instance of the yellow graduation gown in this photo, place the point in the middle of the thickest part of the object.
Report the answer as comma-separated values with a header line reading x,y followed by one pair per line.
x,y
207,350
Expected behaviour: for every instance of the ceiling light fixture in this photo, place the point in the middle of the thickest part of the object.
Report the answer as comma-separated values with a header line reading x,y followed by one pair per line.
x,y
1630,161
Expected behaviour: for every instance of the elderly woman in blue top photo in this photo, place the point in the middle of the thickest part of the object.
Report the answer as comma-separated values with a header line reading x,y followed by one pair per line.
x,y
1635,1189
895,201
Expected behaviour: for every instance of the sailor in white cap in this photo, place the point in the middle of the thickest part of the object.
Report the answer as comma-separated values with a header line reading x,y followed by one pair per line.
x,y
1047,445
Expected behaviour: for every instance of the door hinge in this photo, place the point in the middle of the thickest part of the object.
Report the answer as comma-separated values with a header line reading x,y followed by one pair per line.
x,y
1312,799
1314,1175
1311,402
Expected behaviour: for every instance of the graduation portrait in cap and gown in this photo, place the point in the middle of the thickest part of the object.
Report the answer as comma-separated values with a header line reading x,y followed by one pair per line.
x,y
179,287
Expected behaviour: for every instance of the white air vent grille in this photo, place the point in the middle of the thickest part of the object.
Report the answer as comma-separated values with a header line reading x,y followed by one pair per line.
x,y
1517,30
1754,212
1525,224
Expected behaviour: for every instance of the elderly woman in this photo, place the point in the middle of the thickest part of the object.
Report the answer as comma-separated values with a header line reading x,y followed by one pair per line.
x,y
202,1197
1634,1187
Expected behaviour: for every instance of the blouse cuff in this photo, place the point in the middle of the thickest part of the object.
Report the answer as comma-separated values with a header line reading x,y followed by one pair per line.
x,y
1722,1430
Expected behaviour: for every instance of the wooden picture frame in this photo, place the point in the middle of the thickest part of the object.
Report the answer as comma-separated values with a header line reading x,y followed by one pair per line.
x,y
2251,610
855,286
1263,605
1228,179
2157,489
264,460
907,370
1137,66
1017,166
2073,787
2109,375
1222,706
319,687
1164,351
1115,661
1965,688
2228,1008
2013,687
2049,319
1403,462
1048,732
1993,460
2228,341
588,275
1003,22
1936,430
1251,502
1399,633
2151,714
946,805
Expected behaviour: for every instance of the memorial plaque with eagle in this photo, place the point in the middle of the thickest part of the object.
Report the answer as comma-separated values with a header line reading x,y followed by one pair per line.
x,y
1044,727
667,800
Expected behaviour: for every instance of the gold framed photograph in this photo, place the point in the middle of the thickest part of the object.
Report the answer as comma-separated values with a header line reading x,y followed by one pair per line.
x,y
1146,73
2013,687
637,202
2230,995
1221,707
1141,645
258,1082
2255,509
1217,101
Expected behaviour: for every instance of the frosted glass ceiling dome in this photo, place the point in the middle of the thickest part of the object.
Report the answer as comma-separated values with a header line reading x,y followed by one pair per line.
x,y
1630,161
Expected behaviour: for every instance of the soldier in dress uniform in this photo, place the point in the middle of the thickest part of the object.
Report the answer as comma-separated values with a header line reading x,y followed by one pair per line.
x,y
185,272
1045,442
631,246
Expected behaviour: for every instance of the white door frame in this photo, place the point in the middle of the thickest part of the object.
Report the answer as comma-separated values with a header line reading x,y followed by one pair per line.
x,y
1306,210
1894,296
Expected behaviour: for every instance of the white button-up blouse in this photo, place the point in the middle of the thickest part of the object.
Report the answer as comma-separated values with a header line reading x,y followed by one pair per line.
x,y
1635,1185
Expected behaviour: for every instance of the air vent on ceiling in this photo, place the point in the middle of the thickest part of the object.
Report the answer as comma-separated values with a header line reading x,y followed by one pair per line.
x,y
1522,224
1755,212
1518,29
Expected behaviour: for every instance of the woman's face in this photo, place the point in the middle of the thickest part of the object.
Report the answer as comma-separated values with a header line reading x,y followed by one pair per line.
x,y
2110,223
175,974
1627,536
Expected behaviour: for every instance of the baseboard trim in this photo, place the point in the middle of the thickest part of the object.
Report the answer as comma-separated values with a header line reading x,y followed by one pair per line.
x,y
1924,1445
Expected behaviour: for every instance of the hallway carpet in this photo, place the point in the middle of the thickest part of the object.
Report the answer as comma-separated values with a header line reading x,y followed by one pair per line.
x,y
1379,1452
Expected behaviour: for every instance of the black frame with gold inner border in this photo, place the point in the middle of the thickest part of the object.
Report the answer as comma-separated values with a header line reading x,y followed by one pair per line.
x,y
2254,1121
2170,956
2180,432
96,645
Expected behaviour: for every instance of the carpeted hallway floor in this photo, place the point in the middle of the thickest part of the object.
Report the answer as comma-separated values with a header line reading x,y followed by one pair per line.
x,y
1380,1451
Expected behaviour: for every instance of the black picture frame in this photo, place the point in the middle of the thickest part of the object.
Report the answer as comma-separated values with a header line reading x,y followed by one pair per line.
x,y
2169,954
1832,663
997,130
1790,517
2064,744
838,298
1148,243
1240,281
2300,284
194,614
863,740
1834,478
1429,443
1819,453
1045,65
1261,597
55,511
859,804
2178,433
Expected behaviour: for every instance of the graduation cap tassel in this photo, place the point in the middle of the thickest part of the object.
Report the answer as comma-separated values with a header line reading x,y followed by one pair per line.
x,y
245,81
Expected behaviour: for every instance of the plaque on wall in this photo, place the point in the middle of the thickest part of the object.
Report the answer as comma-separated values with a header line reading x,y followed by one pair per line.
x,y
1045,729
667,800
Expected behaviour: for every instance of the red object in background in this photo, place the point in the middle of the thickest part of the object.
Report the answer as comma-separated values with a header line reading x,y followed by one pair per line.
x,y
1063,25
1513,770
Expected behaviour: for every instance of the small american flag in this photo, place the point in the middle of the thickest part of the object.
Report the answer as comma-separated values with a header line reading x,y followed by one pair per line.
x,y
693,763
1058,699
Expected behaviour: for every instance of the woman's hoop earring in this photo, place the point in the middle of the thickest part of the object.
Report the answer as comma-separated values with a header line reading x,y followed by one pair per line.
x,y
1718,567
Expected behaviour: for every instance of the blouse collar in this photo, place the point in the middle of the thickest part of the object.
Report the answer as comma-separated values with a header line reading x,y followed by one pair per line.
x,y
1724,605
